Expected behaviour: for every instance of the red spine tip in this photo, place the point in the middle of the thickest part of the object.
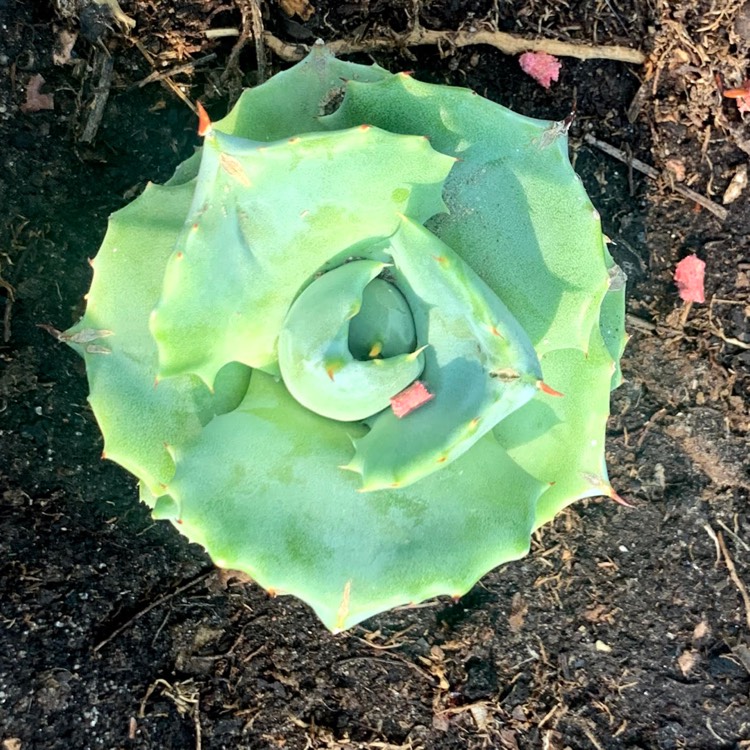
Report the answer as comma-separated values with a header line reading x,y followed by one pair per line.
x,y
619,500
204,121
544,388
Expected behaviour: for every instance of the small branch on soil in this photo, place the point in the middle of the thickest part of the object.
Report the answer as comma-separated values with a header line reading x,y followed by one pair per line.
x,y
716,328
10,299
185,68
153,605
106,64
735,577
167,82
252,25
509,44
637,322
654,174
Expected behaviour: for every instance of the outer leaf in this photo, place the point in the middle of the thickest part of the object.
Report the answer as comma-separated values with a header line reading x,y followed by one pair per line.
x,y
251,242
518,213
480,365
137,418
302,527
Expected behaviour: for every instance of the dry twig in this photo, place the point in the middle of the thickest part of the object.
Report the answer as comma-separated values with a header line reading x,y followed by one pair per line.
x,y
167,82
738,582
106,64
158,602
252,25
654,174
184,68
509,44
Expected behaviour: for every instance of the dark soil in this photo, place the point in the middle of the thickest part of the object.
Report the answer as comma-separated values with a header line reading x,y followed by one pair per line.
x,y
624,628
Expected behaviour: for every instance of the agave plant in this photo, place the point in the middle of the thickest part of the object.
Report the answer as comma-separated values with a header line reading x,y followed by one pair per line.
x,y
362,344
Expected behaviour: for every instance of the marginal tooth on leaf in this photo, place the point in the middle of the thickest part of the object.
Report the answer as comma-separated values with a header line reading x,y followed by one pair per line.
x,y
156,381
375,349
618,499
442,459
442,260
355,308
204,121
493,330
180,255
343,610
273,593
365,127
332,367
415,354
349,467
544,388
296,139
104,455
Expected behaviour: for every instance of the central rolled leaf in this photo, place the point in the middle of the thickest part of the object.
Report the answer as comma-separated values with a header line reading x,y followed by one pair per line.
x,y
314,357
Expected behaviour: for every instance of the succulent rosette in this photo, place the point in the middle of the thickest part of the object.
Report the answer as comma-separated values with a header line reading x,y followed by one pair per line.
x,y
362,344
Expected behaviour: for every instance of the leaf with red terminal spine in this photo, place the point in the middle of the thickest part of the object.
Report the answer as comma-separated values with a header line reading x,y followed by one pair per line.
x,y
204,121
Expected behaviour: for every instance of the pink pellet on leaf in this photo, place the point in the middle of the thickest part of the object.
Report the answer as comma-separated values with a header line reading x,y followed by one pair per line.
x,y
541,66
688,275
410,398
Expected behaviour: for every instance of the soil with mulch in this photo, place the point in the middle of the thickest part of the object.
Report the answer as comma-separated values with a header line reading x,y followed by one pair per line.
x,y
623,628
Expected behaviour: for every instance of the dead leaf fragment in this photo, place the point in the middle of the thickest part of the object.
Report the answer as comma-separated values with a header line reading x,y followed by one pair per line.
x,y
686,661
126,22
701,630
300,8
480,714
676,168
508,739
12,744
61,53
36,101
518,610
737,184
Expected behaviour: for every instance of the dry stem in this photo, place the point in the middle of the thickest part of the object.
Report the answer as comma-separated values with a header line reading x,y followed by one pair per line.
x,y
506,43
